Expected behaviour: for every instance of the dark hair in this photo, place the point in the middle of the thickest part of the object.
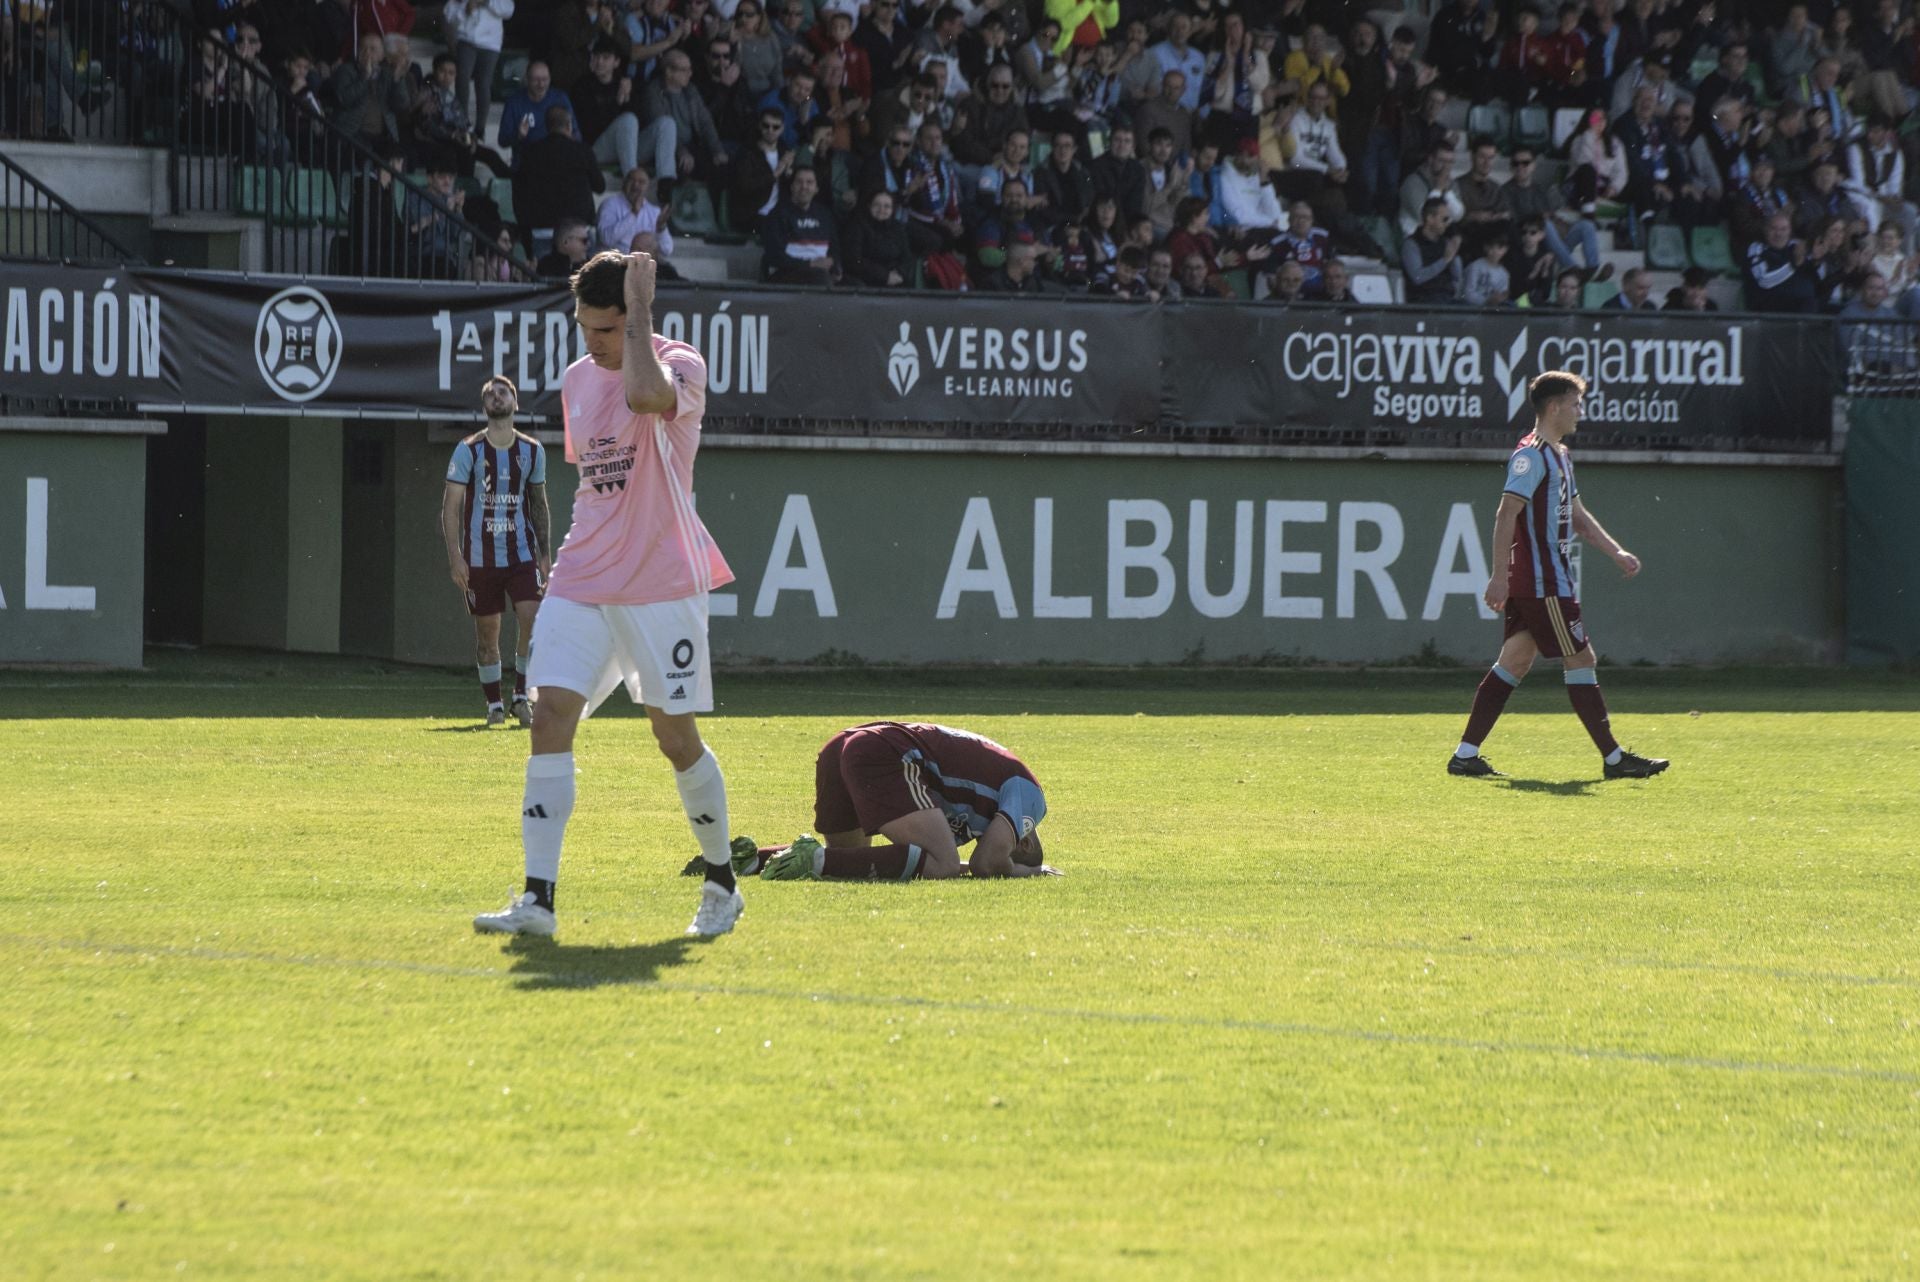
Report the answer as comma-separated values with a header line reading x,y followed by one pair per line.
x,y
439,60
1478,141
602,281
1134,257
1158,132
1185,211
1553,385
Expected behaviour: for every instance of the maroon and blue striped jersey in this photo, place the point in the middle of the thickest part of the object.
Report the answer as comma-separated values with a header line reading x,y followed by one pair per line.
x,y
494,530
1541,475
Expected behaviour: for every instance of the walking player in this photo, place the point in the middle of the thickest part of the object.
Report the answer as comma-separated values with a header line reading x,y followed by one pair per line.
x,y
628,598
1539,514
494,518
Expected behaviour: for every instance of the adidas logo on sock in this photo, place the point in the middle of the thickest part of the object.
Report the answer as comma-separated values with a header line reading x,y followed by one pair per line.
x,y
703,819
535,812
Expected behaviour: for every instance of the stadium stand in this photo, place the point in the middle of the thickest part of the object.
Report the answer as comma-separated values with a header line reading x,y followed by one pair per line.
x,y
1659,135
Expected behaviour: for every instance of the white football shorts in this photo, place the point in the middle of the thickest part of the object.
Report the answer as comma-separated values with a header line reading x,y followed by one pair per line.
x,y
658,651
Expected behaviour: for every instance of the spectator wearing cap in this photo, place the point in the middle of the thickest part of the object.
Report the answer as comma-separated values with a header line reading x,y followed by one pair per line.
x,y
799,236
1690,295
1877,179
1167,112
600,101
1247,201
572,246
1655,72
1175,54
558,176
1062,188
1305,244
628,219
523,121
1636,288
875,245
1431,256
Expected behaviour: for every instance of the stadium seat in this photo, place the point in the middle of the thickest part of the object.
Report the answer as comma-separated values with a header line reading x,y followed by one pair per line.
x,y
471,186
1533,126
1712,251
1239,282
502,192
1548,172
1372,287
313,199
260,192
1384,232
512,69
1566,123
1594,293
1666,247
1037,153
693,211
1493,120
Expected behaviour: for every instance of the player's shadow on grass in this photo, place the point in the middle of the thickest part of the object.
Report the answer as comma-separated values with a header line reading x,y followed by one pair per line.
x,y
468,728
1566,788
540,964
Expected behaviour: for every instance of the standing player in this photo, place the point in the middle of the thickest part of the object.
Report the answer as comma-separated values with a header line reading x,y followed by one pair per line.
x,y
498,531
1539,514
628,598
927,789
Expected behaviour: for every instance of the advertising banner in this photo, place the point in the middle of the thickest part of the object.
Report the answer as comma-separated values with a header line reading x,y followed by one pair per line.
x,y
163,339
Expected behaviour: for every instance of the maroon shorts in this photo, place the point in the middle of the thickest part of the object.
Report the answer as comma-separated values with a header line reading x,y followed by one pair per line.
x,y
1552,621
488,589
862,780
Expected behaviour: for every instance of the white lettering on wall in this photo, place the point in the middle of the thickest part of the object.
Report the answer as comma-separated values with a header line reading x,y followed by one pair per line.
x,y
1373,563
1045,604
1274,603
796,527
977,528
1151,557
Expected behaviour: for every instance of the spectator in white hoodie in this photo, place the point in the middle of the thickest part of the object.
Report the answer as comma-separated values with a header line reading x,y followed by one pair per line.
x,y
478,29
1245,196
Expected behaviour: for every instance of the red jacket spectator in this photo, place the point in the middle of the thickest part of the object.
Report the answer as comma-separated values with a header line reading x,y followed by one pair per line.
x,y
834,34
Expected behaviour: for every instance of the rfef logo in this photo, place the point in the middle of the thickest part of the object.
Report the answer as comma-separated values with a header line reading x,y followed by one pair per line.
x,y
297,344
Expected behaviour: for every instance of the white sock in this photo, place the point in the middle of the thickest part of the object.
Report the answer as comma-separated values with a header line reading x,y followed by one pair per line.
x,y
544,811
1467,750
1613,758
703,795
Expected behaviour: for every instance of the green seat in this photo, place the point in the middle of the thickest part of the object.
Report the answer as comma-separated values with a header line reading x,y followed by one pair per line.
x,y
1384,232
1037,152
693,211
1239,282
472,186
312,200
502,192
507,76
1595,293
1666,247
1491,119
259,192
1712,251
1533,126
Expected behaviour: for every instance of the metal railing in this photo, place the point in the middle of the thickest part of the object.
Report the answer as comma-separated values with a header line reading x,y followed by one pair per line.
x,y
36,223
1880,356
95,72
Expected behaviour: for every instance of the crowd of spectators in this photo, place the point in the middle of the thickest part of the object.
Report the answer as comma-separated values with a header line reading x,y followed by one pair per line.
x,y
1140,150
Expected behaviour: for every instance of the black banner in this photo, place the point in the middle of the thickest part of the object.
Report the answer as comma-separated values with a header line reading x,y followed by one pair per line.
x,y
162,339
1661,375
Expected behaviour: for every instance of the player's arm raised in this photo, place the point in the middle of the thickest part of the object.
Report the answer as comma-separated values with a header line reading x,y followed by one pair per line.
x,y
1590,529
649,386
453,502
1511,505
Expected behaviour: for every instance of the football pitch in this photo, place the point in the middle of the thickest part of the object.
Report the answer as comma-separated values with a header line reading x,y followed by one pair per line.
x,y
1303,1006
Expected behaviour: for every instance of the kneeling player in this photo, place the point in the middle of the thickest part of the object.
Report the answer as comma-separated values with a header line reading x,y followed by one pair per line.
x,y
926,790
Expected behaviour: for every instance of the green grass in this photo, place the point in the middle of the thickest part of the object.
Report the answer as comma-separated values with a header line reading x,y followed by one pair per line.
x,y
1303,1007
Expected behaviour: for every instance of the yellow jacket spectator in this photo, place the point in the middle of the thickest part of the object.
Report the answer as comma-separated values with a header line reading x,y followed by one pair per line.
x,y
1318,59
1082,22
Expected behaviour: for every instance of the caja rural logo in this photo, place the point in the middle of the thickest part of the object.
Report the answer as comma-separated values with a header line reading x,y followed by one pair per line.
x,y
1427,377
297,344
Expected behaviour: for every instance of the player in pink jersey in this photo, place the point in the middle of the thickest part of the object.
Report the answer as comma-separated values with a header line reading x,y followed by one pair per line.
x,y
1540,513
627,601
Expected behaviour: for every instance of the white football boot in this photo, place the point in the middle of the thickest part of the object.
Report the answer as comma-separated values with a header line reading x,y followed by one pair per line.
x,y
720,908
522,916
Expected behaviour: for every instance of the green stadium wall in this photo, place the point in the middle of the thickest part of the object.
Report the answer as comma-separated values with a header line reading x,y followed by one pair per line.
x,y
915,556
72,540
1883,531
